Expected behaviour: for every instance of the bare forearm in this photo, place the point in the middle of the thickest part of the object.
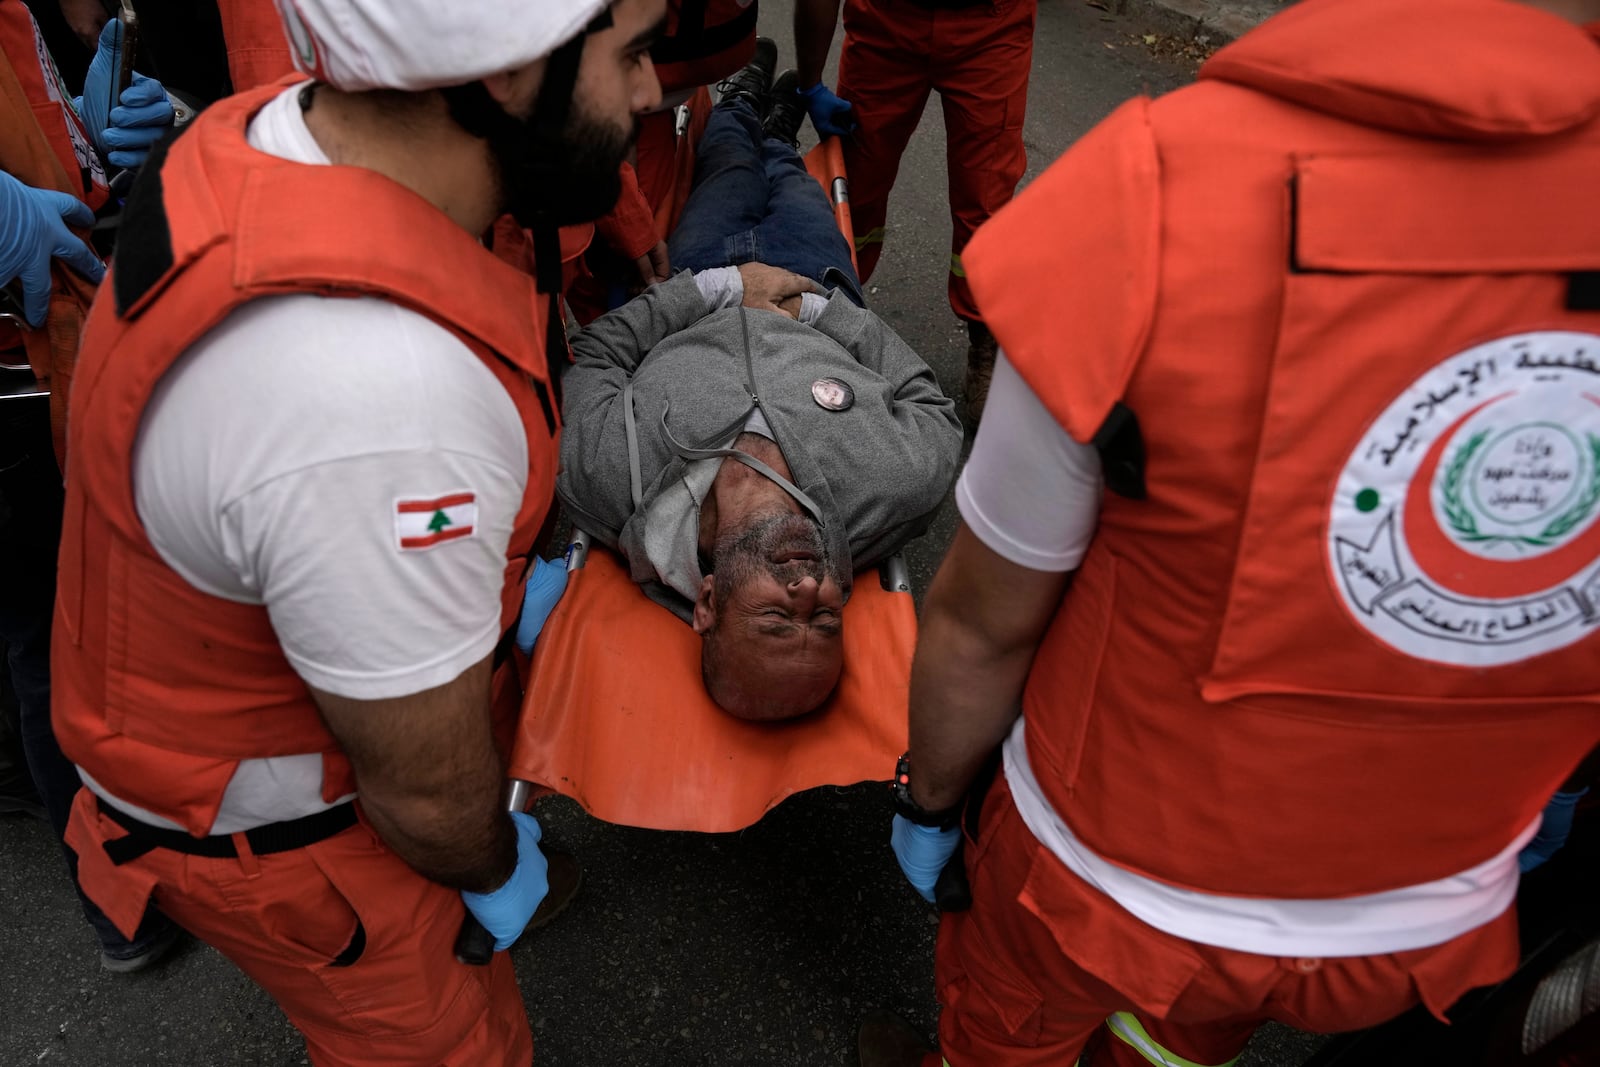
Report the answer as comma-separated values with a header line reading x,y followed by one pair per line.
x,y
963,702
814,21
446,838
429,778
981,626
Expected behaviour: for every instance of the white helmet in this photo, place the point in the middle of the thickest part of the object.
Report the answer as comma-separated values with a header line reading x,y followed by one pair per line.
x,y
356,45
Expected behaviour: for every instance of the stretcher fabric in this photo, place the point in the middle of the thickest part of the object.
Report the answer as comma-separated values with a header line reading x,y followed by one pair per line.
x,y
616,715
1030,974
977,58
355,946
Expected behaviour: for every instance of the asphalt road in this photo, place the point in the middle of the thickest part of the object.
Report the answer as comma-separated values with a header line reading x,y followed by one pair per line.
x,y
757,948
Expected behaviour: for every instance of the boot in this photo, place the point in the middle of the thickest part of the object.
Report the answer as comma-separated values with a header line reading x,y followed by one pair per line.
x,y
886,1040
788,110
981,350
564,874
753,81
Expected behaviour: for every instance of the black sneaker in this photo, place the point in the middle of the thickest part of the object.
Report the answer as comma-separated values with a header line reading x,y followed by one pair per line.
x,y
788,110
754,80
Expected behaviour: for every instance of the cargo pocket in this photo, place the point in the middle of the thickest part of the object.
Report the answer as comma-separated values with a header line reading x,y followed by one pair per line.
x,y
989,999
1149,967
388,945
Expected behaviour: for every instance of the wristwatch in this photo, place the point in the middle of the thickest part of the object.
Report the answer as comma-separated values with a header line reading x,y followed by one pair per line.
x,y
944,819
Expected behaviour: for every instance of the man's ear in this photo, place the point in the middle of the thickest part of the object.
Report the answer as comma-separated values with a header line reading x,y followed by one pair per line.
x,y
705,605
516,90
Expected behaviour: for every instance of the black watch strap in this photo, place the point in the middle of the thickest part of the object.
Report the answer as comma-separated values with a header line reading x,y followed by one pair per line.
x,y
904,805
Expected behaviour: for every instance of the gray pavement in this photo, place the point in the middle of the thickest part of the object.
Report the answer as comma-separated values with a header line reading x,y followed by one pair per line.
x,y
757,948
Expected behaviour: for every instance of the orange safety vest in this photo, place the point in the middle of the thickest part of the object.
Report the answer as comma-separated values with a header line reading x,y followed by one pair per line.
x,y
43,144
1350,640
705,41
159,689
258,48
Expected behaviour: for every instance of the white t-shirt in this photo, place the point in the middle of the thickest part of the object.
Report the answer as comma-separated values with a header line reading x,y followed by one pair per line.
x,y
1031,494
282,460
1029,491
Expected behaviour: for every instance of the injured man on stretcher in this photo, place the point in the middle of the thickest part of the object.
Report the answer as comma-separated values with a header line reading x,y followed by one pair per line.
x,y
747,435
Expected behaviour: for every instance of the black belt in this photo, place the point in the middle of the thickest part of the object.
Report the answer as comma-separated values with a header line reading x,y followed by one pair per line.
x,y
263,840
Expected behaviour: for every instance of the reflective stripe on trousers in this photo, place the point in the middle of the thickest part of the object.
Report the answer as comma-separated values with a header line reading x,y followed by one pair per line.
x,y
1127,1028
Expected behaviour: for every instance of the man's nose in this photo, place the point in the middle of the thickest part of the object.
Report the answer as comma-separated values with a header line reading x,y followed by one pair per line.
x,y
647,91
803,593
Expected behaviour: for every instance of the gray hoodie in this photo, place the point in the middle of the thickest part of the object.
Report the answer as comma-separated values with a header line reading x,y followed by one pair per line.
x,y
876,471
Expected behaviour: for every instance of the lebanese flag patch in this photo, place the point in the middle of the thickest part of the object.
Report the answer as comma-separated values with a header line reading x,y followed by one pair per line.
x,y
424,523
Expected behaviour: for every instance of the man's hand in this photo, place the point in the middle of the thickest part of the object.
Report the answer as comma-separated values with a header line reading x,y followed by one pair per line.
x,y
829,114
654,266
86,17
505,911
774,289
923,852
33,230
124,134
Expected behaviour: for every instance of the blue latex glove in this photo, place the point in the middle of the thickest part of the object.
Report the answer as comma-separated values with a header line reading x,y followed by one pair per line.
x,y
828,112
33,230
1553,830
922,851
539,598
506,911
123,134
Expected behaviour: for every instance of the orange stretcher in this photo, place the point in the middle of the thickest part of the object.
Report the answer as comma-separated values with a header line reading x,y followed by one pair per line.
x,y
616,717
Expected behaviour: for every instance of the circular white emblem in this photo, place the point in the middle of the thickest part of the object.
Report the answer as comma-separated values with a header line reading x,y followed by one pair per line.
x,y
1464,526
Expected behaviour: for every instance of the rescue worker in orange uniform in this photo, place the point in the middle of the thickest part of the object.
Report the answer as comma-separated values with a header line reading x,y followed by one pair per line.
x,y
312,444
976,54
53,167
1300,388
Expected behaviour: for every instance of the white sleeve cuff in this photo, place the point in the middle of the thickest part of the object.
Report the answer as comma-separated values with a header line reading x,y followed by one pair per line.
x,y
721,287
812,305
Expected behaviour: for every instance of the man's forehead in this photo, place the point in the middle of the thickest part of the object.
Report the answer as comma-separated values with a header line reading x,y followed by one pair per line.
x,y
639,16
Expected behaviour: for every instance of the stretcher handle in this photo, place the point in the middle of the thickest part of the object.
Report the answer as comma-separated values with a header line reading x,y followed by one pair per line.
x,y
578,550
893,575
474,944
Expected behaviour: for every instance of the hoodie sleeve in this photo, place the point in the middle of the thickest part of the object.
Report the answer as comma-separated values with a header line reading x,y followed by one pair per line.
x,y
594,479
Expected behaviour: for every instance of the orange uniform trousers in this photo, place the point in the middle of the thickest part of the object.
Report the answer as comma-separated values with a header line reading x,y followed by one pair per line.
x,y
977,58
355,946
1043,961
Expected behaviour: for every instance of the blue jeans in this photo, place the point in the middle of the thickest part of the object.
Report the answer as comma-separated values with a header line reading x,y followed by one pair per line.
x,y
754,202
32,489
